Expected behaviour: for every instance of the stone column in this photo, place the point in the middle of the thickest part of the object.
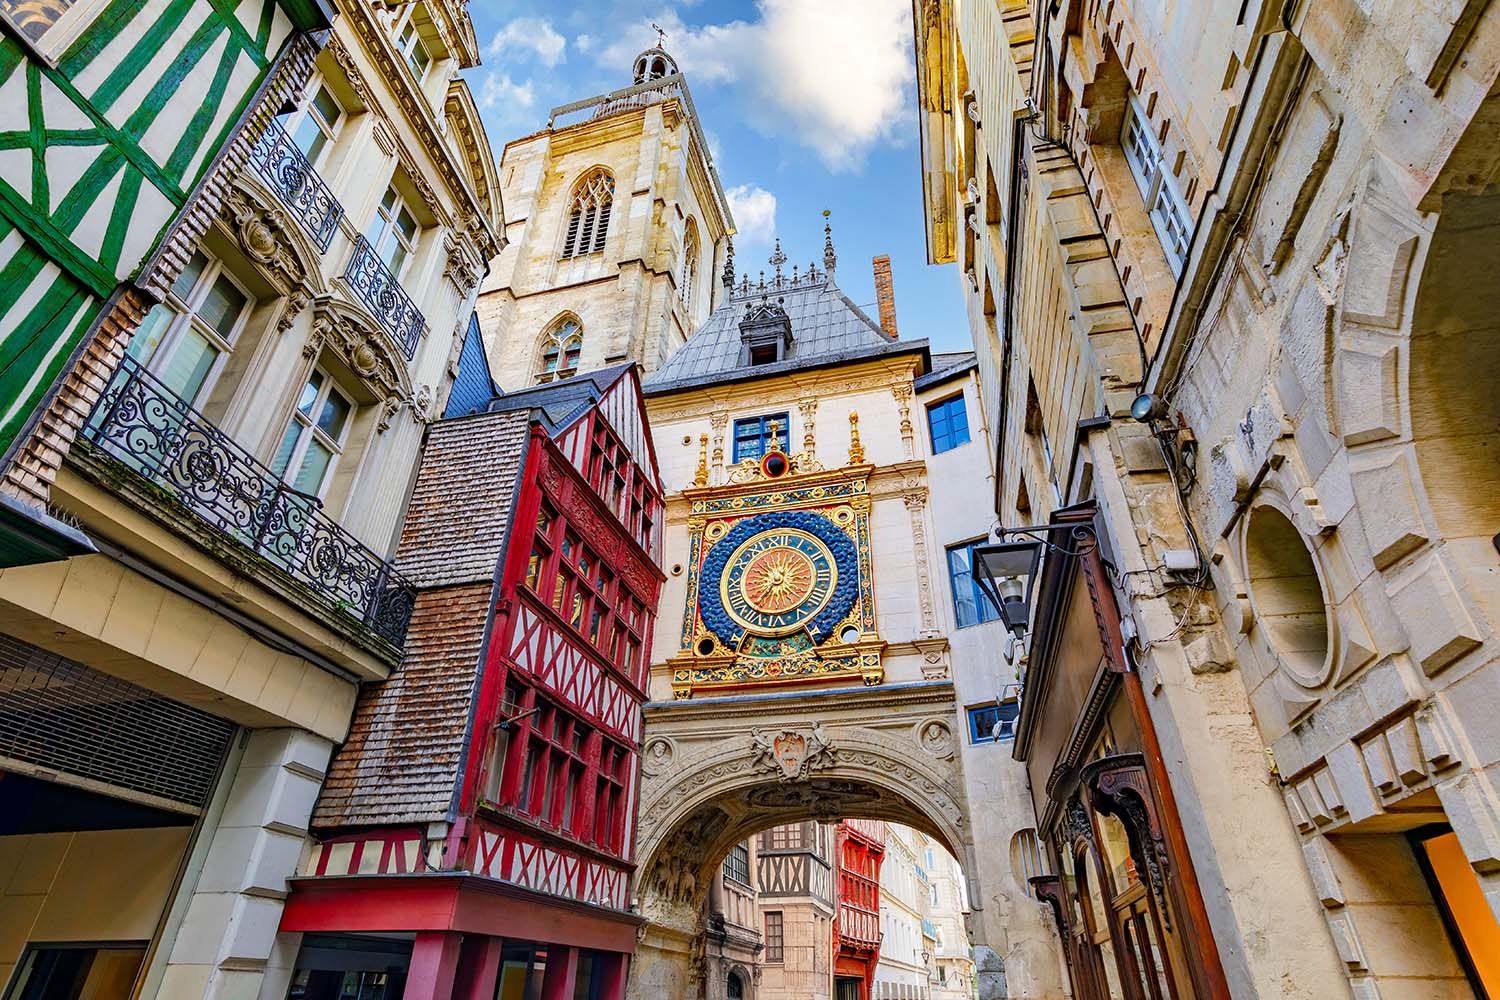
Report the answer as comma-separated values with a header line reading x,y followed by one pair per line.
x,y
227,935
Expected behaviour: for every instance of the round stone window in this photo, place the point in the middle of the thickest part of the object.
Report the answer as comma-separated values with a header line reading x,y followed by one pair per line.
x,y
1287,595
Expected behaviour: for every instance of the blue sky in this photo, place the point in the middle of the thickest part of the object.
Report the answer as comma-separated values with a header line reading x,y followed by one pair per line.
x,y
808,104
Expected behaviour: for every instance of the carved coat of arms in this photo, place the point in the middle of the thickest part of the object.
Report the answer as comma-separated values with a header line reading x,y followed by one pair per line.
x,y
791,753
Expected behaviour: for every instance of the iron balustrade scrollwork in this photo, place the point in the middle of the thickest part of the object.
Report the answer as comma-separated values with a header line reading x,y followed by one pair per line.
x,y
160,437
379,289
297,183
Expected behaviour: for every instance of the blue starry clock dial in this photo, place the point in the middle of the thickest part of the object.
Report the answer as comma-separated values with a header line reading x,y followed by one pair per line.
x,y
775,574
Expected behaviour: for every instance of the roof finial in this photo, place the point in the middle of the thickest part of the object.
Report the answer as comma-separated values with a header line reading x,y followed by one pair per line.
x,y
830,259
661,36
776,260
729,264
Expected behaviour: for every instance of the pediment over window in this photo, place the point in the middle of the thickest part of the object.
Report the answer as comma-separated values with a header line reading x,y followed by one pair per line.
x,y
364,347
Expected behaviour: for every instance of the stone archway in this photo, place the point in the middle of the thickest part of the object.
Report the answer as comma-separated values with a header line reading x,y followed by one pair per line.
x,y
717,770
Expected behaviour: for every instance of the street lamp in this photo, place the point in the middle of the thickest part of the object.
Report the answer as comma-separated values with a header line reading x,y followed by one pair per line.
x,y
1005,573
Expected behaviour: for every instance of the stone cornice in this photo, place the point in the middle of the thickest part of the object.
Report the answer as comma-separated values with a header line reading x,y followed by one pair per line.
x,y
363,22
869,702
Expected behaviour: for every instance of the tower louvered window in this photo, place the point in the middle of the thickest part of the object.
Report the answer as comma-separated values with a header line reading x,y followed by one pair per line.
x,y
588,215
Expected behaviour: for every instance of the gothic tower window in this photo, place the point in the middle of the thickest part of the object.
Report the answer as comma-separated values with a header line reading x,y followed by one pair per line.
x,y
588,214
689,277
561,347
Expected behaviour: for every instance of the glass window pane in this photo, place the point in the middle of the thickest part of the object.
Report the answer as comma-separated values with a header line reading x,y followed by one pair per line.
x,y
335,413
147,337
406,224
390,198
394,255
309,138
964,609
190,275
222,306
190,364
315,462
310,392
326,105
286,447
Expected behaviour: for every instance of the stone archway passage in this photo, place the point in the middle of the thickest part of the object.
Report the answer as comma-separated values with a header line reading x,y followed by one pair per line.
x,y
717,770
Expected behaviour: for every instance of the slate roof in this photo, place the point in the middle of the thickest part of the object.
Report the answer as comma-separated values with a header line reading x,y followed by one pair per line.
x,y
563,401
827,328
473,386
946,365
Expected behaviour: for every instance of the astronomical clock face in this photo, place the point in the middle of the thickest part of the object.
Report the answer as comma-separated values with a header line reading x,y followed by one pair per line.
x,y
776,576
777,581
779,585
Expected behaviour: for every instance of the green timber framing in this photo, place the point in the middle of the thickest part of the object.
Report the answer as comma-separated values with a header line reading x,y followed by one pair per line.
x,y
110,150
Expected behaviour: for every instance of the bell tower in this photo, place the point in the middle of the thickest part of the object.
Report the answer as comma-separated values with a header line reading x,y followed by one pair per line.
x,y
617,225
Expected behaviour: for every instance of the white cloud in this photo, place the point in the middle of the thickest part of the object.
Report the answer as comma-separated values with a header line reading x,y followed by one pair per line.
x,y
509,106
528,36
584,43
754,211
834,75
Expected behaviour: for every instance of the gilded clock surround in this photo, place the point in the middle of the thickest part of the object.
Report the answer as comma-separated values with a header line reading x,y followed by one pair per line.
x,y
779,586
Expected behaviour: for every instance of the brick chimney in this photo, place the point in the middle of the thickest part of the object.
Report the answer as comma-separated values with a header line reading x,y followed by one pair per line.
x,y
885,295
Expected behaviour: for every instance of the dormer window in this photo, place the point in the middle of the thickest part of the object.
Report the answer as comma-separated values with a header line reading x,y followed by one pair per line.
x,y
766,332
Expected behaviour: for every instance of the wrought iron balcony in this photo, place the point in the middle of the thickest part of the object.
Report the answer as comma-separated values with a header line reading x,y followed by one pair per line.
x,y
373,282
157,435
297,184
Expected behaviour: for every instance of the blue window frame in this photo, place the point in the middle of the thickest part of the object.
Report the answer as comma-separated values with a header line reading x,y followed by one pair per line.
x,y
948,423
970,604
752,435
983,720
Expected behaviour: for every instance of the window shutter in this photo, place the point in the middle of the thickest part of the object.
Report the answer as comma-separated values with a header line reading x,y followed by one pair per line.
x,y
587,232
603,229
570,245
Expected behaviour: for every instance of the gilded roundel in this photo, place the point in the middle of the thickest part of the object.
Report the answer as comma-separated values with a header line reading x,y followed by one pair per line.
x,y
779,573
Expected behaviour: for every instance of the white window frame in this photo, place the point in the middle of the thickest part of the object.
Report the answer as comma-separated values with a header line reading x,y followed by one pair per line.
x,y
1168,210
62,32
306,106
388,229
310,430
404,45
185,317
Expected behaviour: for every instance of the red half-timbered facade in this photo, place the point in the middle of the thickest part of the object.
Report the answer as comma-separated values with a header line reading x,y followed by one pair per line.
x,y
485,800
860,847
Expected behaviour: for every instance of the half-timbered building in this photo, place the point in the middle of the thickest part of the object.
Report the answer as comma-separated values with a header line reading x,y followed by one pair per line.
x,y
476,831
859,848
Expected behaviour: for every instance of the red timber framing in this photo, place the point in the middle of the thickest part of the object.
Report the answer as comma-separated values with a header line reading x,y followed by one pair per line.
x,y
539,845
860,848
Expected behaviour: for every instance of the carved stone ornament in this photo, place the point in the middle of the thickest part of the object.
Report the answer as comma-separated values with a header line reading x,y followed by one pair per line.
x,y
936,738
350,333
266,236
791,753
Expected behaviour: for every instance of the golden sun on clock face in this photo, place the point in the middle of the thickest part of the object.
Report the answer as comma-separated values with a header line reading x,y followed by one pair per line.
x,y
777,581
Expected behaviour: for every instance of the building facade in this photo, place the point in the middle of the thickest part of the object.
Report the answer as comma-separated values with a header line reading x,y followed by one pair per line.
x,y
235,397
859,849
906,928
734,946
617,229
1212,258
474,836
796,904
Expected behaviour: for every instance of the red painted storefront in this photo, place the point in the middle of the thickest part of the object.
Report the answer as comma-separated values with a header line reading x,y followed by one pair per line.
x,y
859,847
484,805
